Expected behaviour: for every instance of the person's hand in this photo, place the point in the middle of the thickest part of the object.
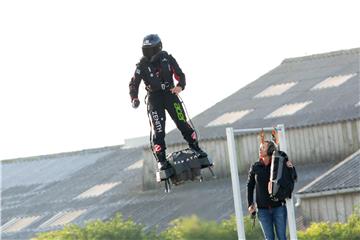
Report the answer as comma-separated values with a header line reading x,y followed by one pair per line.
x,y
289,164
176,90
135,103
251,209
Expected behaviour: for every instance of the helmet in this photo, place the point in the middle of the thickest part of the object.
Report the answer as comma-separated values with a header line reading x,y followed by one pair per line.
x,y
151,45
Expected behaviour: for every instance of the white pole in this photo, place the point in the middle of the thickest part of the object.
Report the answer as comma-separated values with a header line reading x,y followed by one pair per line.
x,y
289,202
252,130
235,183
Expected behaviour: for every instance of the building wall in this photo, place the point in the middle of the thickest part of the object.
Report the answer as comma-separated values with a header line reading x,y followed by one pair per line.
x,y
333,208
326,142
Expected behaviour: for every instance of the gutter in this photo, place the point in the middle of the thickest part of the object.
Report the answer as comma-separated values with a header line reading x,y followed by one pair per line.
x,y
327,193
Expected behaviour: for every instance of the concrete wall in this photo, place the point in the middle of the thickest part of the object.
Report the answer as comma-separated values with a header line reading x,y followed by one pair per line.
x,y
333,208
327,142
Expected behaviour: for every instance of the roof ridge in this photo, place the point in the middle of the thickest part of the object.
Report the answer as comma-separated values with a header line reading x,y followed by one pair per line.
x,y
322,55
62,154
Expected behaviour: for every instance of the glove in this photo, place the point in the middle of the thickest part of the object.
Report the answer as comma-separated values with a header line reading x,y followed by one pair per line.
x,y
135,103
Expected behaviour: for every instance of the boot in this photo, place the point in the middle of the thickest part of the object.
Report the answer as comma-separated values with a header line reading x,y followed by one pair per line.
x,y
163,164
195,147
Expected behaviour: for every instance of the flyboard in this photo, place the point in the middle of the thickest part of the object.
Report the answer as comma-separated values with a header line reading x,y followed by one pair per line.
x,y
186,165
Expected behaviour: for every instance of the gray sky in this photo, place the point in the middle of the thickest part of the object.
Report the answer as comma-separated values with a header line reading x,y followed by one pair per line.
x,y
65,65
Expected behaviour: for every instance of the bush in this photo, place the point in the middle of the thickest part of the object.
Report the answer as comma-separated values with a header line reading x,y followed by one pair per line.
x,y
252,232
193,228
114,229
187,228
333,231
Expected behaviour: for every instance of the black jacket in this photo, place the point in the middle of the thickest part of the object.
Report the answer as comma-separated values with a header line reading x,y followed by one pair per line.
x,y
160,70
258,178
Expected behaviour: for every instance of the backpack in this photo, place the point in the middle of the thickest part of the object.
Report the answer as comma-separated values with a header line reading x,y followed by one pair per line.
x,y
282,178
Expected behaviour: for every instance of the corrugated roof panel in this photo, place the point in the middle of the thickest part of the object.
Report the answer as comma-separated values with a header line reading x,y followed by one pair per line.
x,y
275,90
229,118
61,167
288,109
342,176
333,81
136,165
62,218
17,224
328,106
97,190
145,207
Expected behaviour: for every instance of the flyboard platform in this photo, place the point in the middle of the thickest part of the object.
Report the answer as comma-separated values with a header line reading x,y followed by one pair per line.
x,y
185,165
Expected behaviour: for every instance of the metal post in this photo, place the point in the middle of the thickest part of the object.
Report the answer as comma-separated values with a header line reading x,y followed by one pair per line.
x,y
235,183
289,202
252,130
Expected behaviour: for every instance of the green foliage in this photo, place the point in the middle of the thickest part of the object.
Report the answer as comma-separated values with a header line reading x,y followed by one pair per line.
x,y
193,228
115,229
252,232
334,231
187,228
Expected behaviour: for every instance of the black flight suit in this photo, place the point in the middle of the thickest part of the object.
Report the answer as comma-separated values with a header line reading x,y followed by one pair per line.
x,y
158,78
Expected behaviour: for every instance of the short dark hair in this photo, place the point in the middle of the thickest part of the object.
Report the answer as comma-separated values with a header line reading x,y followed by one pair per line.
x,y
271,147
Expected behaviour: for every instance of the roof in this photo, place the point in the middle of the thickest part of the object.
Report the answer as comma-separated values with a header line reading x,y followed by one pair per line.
x,y
43,193
303,91
344,177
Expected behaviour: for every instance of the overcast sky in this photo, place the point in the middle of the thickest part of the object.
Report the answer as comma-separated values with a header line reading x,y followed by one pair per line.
x,y
65,65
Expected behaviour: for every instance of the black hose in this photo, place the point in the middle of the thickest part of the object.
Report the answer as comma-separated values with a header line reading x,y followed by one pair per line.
x,y
188,117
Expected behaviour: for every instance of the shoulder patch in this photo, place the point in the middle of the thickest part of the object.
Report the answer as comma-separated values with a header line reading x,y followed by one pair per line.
x,y
138,71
